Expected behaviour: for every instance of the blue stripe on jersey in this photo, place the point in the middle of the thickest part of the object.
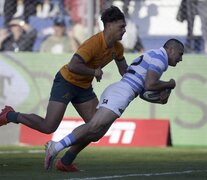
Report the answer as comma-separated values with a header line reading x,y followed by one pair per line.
x,y
136,90
144,64
137,75
153,54
135,85
128,82
155,68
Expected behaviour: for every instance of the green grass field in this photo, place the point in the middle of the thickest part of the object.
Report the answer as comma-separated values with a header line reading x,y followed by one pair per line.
x,y
178,163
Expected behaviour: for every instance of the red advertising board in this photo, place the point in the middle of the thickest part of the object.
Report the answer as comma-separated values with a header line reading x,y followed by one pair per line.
x,y
123,132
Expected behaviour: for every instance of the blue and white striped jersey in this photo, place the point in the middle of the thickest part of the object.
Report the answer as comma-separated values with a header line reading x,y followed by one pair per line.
x,y
155,60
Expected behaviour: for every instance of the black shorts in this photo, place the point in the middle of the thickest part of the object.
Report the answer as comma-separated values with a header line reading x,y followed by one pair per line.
x,y
63,91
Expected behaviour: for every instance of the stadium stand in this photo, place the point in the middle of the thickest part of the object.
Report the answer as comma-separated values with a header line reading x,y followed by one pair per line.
x,y
156,21
1,21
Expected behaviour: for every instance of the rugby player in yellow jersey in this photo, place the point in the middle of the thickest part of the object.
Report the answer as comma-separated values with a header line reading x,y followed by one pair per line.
x,y
73,83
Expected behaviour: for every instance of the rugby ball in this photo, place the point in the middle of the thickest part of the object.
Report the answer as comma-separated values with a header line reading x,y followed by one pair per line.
x,y
152,96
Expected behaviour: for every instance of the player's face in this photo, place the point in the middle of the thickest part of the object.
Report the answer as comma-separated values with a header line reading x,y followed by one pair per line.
x,y
118,29
59,30
15,29
175,56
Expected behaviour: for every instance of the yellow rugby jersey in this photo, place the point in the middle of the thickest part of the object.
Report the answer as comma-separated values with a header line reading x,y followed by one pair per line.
x,y
95,53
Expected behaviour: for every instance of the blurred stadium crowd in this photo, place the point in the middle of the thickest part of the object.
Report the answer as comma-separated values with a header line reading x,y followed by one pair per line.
x,y
60,26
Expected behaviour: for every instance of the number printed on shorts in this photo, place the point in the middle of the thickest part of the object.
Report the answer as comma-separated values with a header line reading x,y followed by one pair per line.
x,y
105,101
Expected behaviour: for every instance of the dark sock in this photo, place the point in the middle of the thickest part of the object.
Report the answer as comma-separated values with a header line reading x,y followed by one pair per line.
x,y
68,158
12,116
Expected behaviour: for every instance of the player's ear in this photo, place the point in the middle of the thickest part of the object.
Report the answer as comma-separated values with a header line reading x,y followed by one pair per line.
x,y
108,25
169,50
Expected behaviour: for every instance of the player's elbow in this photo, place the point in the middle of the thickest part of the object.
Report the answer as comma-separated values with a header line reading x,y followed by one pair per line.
x,y
71,68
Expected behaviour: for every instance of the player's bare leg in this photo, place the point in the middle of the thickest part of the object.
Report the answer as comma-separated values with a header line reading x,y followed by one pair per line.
x,y
91,131
54,115
86,111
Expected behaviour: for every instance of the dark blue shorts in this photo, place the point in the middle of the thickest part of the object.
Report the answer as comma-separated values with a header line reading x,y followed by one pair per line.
x,y
63,91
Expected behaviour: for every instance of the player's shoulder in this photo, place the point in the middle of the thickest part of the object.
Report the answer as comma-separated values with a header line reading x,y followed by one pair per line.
x,y
93,38
157,53
97,36
96,40
92,43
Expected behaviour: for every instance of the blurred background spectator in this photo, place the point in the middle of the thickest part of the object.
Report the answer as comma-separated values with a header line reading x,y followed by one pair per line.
x,y
27,8
187,12
131,40
50,8
19,8
60,41
202,11
77,10
19,36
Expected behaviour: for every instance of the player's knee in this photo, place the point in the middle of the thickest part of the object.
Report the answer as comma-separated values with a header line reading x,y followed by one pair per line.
x,y
48,131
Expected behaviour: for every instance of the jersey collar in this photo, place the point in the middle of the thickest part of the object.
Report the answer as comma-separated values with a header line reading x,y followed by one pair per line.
x,y
104,41
164,52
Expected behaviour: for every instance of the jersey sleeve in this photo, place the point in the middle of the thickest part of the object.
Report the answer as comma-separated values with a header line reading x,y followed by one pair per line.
x,y
87,50
158,64
157,67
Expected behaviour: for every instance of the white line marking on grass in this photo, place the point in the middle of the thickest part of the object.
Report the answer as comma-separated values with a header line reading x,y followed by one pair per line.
x,y
22,151
139,175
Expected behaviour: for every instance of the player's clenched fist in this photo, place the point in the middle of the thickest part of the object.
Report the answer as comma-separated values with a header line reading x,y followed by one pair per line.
x,y
172,83
98,74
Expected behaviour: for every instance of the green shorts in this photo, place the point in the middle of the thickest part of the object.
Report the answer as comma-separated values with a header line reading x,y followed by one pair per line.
x,y
63,91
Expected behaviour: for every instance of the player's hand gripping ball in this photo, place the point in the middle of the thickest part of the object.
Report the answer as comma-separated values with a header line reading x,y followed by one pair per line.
x,y
160,97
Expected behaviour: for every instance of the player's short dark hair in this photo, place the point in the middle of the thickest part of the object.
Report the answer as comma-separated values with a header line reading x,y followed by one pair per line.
x,y
112,14
175,43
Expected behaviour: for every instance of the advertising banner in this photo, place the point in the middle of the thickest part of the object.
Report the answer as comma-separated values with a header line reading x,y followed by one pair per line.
x,y
123,132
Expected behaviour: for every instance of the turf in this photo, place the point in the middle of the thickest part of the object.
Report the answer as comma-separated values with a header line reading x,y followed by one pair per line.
x,y
178,163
